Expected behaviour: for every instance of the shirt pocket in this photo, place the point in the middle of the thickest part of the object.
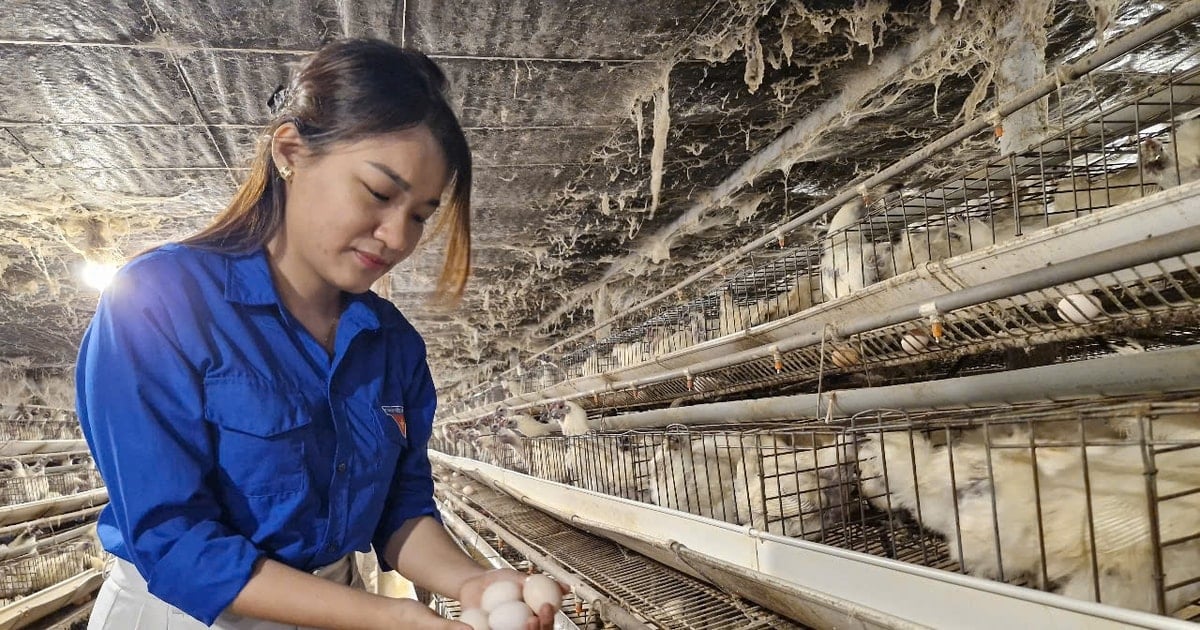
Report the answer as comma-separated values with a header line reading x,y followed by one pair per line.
x,y
261,436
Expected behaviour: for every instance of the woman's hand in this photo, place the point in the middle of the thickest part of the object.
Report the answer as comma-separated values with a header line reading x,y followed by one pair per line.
x,y
410,613
470,595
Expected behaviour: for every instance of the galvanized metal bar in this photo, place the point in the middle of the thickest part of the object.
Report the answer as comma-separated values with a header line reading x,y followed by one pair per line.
x,y
1171,370
599,602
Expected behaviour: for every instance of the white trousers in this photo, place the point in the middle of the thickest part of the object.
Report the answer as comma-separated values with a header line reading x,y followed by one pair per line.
x,y
124,603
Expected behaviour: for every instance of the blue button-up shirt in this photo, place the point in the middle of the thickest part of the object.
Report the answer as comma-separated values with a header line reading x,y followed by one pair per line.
x,y
224,431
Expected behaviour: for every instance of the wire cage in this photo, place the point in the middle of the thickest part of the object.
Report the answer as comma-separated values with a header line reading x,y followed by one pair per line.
x,y
1096,500
45,566
649,590
27,424
28,483
1131,130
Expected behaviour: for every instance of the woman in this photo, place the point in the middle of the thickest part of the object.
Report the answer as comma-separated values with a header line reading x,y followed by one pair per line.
x,y
256,412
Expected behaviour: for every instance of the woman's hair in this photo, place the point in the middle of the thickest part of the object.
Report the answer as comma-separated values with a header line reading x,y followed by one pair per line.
x,y
350,90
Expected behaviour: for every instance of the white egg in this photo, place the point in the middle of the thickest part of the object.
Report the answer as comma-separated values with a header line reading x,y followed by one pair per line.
x,y
540,590
1078,308
456,485
914,342
510,616
477,619
844,357
468,490
498,593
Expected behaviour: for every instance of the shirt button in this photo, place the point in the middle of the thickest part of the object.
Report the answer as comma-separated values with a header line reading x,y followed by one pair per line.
x,y
341,467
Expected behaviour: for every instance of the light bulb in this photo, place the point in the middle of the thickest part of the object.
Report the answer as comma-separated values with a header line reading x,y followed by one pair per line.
x,y
98,275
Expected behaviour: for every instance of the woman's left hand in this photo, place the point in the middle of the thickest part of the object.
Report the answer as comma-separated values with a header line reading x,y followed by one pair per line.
x,y
471,595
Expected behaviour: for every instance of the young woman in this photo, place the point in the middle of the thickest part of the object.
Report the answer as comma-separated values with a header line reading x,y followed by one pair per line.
x,y
256,412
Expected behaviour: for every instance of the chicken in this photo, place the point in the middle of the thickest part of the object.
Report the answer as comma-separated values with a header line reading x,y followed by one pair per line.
x,y
571,418
550,458
937,243
532,426
851,259
601,463
1121,525
792,489
1178,163
630,353
19,544
734,318
688,332
849,253
604,463
696,475
31,481
510,450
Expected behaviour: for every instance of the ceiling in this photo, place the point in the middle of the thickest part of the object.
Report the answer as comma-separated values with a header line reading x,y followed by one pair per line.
x,y
619,145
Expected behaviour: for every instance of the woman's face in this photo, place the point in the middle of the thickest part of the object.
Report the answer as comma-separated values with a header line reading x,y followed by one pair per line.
x,y
357,210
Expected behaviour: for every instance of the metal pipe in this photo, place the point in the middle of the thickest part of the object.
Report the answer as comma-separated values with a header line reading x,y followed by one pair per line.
x,y
48,541
1063,74
1179,243
607,609
1162,371
1161,247
52,522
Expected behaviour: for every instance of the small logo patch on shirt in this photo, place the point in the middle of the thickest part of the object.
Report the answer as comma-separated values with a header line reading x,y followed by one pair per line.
x,y
397,414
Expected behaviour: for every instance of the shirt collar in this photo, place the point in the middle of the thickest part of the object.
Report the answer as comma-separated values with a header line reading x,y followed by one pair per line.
x,y
248,281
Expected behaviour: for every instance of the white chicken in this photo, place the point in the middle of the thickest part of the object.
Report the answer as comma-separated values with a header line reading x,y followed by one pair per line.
x,y
792,489
1178,163
533,426
571,418
550,458
1118,506
686,333
510,450
849,253
697,475
734,318
604,463
630,353
852,259
31,480
596,462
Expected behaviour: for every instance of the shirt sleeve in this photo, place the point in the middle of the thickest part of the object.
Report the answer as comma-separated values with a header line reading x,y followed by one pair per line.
x,y
141,404
410,494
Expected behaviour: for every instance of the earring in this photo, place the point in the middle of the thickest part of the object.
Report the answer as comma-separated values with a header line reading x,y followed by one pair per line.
x,y
285,172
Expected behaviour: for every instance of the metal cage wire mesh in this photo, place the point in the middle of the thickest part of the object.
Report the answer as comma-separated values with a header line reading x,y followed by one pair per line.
x,y
1096,500
1119,145
654,592
45,566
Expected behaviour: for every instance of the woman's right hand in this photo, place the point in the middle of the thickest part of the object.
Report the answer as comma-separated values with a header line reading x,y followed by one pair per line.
x,y
409,613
